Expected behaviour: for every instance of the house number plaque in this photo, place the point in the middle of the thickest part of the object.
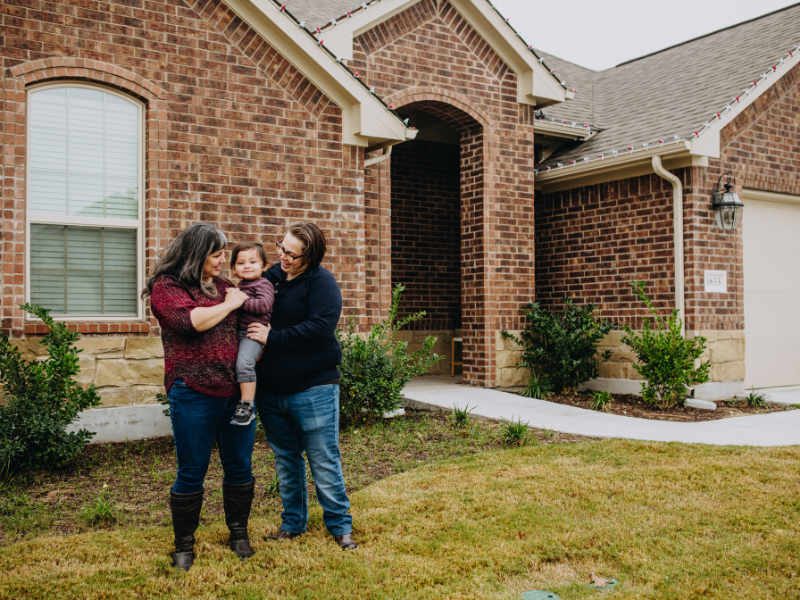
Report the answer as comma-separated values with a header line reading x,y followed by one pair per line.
x,y
716,281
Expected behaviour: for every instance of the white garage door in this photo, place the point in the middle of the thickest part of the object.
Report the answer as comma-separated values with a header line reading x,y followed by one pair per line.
x,y
771,293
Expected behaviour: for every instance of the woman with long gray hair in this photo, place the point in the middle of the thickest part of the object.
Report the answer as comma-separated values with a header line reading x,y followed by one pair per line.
x,y
196,309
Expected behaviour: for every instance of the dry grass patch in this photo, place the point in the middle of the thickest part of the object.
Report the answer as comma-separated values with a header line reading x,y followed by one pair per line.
x,y
667,520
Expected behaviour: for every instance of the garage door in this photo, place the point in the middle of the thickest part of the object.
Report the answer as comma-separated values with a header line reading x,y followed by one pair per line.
x,y
771,292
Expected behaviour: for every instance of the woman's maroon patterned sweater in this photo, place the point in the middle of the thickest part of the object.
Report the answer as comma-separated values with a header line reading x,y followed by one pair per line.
x,y
205,360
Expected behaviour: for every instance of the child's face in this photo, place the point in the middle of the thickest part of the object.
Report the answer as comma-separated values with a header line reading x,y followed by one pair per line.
x,y
248,265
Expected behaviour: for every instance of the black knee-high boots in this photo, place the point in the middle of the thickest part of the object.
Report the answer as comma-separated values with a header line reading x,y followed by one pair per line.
x,y
185,519
237,500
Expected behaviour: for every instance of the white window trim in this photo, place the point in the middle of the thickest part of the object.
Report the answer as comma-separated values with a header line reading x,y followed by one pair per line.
x,y
138,224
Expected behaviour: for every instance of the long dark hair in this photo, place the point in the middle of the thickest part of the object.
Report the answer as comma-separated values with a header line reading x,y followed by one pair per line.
x,y
185,257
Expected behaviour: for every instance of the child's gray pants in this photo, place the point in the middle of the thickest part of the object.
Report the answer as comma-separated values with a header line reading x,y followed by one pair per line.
x,y
249,351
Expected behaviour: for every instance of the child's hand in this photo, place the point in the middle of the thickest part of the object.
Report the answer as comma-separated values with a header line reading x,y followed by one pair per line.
x,y
235,297
258,332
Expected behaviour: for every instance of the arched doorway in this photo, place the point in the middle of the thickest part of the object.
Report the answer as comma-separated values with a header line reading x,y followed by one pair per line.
x,y
437,219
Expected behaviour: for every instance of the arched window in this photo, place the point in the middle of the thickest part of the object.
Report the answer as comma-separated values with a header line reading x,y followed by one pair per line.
x,y
84,202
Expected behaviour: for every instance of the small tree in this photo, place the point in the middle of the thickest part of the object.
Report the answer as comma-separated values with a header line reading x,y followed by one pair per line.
x,y
375,369
562,346
41,399
666,359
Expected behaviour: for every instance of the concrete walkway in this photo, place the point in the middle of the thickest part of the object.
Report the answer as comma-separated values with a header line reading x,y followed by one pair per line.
x,y
776,429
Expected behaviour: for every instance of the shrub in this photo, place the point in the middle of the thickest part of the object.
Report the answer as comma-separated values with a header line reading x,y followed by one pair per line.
x,y
666,359
755,399
600,400
375,369
42,399
538,387
562,346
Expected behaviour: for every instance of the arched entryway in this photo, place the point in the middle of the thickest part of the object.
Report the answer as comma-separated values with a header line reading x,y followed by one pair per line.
x,y
435,213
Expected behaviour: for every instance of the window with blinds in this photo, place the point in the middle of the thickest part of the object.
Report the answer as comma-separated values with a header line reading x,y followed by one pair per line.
x,y
84,201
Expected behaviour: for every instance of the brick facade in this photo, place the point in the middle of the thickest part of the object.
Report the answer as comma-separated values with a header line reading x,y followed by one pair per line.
x,y
429,59
234,135
592,241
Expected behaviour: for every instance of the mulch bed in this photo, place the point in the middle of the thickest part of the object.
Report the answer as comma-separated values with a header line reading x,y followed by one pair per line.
x,y
633,406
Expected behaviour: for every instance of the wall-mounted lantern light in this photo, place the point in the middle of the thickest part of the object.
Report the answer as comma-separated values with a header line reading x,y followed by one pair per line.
x,y
727,206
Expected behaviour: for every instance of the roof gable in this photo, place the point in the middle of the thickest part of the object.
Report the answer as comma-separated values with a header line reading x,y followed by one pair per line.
x,y
538,85
367,121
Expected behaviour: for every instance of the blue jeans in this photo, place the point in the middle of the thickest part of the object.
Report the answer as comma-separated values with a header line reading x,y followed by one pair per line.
x,y
198,420
307,421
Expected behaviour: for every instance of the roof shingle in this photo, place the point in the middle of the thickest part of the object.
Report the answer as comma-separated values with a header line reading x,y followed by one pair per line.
x,y
676,90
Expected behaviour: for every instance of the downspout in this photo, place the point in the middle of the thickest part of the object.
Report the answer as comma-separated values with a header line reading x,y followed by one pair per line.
x,y
378,159
677,237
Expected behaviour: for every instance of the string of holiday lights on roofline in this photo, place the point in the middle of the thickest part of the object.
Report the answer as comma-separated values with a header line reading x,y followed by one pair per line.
x,y
354,74
788,56
333,22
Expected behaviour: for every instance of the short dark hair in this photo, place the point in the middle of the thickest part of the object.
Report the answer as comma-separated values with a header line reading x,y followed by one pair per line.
x,y
314,245
243,247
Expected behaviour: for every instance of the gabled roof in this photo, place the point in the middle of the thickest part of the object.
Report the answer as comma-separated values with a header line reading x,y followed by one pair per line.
x,y
367,121
678,91
339,23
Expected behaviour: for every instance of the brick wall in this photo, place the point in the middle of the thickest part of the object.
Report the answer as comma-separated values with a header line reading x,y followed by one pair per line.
x,y
235,135
591,242
426,232
429,59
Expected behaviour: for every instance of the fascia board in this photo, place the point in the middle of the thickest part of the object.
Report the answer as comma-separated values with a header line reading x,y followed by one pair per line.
x,y
338,37
302,52
612,164
563,131
708,143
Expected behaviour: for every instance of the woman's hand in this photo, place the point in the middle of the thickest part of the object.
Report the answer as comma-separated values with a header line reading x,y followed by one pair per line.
x,y
258,332
235,298
205,317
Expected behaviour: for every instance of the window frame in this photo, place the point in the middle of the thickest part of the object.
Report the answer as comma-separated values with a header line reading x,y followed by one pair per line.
x,y
94,222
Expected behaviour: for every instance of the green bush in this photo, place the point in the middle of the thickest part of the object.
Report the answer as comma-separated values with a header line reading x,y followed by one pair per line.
x,y
41,399
562,346
666,359
375,369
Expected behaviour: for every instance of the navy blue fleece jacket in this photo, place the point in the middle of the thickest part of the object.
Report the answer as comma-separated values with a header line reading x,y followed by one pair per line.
x,y
302,350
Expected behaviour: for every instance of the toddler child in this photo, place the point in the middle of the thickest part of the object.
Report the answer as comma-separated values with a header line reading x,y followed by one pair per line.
x,y
248,262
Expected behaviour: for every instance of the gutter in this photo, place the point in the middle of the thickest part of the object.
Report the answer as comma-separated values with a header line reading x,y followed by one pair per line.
x,y
378,159
677,238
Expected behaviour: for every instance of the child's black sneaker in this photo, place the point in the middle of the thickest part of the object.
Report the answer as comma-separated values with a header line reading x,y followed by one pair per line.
x,y
243,415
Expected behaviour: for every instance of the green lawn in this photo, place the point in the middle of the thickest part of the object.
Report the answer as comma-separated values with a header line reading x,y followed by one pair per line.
x,y
668,520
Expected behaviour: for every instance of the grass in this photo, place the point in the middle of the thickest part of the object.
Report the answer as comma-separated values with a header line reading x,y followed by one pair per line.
x,y
600,400
461,415
755,398
514,433
667,520
538,387
140,473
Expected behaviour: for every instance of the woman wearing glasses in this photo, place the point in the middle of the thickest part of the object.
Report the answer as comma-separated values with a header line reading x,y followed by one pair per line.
x,y
298,384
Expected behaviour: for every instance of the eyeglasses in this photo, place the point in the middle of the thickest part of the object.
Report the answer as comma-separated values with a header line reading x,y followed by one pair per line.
x,y
287,254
